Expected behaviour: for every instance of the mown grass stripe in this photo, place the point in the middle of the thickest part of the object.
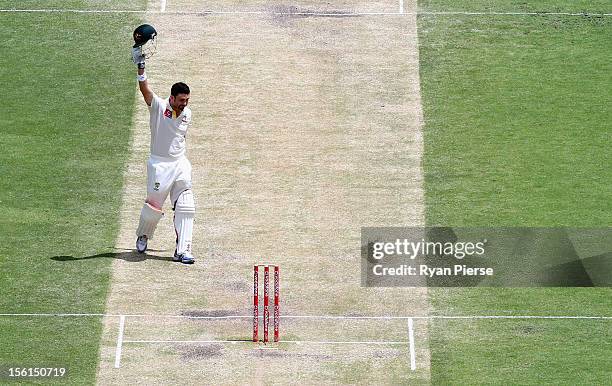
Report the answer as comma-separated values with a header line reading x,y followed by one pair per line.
x,y
67,102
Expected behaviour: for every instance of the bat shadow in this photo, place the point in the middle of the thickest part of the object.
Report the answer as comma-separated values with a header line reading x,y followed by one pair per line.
x,y
129,256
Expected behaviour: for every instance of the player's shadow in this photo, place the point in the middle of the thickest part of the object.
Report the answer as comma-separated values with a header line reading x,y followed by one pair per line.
x,y
130,256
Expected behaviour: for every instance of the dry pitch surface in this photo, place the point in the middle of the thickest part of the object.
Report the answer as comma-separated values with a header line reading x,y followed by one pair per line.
x,y
306,128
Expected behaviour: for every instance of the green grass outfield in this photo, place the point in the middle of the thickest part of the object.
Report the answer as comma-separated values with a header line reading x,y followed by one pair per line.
x,y
517,112
66,125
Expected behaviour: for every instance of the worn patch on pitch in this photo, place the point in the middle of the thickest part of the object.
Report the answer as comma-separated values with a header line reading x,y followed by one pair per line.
x,y
208,313
239,286
200,351
277,353
282,14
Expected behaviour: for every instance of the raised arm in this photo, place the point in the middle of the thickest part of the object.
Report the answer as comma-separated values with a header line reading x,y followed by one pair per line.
x,y
143,85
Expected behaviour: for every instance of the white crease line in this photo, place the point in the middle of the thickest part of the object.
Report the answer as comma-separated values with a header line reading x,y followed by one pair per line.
x,y
320,317
512,317
330,14
493,13
202,12
330,342
401,6
187,341
411,340
119,342
374,342
162,6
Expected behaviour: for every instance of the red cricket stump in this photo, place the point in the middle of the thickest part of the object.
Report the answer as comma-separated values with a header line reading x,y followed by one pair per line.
x,y
266,310
276,302
255,304
266,305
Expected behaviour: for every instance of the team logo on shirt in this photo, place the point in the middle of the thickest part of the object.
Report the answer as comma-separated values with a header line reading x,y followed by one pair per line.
x,y
156,187
168,113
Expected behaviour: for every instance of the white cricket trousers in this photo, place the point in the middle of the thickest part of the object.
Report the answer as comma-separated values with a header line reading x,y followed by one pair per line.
x,y
165,176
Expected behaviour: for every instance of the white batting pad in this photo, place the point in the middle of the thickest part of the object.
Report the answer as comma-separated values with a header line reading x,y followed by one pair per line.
x,y
184,212
149,217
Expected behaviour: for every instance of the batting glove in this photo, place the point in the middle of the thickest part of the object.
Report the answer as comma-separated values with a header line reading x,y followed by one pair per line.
x,y
138,57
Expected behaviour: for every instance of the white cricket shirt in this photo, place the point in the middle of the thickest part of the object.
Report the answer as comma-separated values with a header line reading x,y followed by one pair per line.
x,y
168,132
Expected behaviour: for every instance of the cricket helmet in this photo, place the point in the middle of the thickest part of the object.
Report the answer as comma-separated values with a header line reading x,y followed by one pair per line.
x,y
143,34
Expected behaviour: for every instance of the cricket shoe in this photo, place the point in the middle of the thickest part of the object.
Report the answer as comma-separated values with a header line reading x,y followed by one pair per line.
x,y
184,258
141,243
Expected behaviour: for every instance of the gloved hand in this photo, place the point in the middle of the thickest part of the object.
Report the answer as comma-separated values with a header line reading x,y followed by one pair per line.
x,y
138,57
